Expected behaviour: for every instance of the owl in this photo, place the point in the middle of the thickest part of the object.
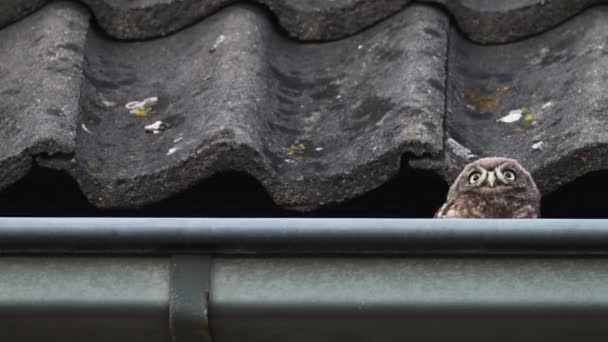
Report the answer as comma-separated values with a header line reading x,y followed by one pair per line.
x,y
492,188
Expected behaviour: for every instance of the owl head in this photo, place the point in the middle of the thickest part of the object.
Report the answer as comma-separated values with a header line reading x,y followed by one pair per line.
x,y
495,176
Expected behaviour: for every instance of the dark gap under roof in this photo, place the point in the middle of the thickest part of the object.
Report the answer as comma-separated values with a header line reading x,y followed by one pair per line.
x,y
51,193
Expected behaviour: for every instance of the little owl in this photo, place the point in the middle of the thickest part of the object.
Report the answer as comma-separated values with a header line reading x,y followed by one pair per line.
x,y
492,188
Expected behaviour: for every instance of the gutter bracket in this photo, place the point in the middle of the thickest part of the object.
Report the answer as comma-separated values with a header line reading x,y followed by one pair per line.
x,y
189,298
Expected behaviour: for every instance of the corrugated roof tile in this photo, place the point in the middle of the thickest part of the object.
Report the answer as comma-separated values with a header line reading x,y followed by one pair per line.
x,y
316,123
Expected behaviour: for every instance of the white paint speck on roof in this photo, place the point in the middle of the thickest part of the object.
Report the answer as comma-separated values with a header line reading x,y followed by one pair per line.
x,y
513,116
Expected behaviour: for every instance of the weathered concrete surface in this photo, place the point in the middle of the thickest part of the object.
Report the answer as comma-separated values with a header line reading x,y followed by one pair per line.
x,y
484,21
556,81
492,21
306,20
40,71
328,20
316,124
141,19
13,10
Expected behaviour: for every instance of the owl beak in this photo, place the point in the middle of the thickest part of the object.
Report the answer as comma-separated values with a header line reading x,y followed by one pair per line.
x,y
491,179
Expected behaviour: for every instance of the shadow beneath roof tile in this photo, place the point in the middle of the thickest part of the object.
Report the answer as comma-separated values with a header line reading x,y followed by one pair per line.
x,y
412,193
45,192
582,198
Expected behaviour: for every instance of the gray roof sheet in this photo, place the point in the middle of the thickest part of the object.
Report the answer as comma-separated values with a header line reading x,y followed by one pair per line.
x,y
314,122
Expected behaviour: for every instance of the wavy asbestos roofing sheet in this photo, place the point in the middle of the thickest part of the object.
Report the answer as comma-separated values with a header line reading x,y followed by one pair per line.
x,y
223,87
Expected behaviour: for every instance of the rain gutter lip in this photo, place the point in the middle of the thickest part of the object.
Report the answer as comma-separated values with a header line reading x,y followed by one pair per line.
x,y
297,236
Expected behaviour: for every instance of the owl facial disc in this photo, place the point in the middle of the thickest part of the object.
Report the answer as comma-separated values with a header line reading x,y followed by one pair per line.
x,y
492,187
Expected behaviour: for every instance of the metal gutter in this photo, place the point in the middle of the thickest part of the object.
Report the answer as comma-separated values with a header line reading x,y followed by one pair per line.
x,y
162,236
297,280
74,299
410,299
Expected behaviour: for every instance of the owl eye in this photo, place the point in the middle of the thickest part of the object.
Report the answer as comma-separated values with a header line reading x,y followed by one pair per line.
x,y
474,177
509,175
